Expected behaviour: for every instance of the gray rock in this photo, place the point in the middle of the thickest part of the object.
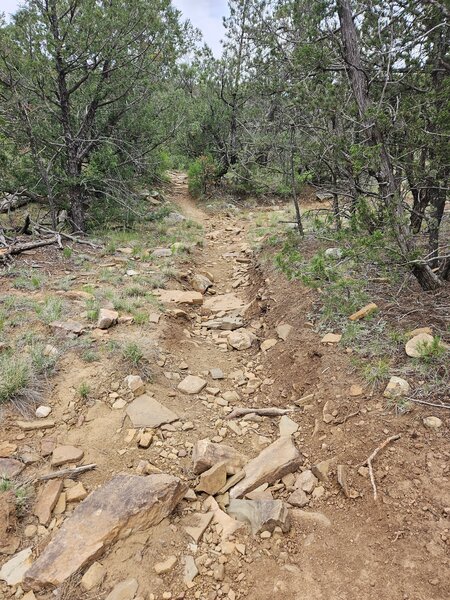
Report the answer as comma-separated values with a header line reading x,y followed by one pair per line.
x,y
14,569
162,252
207,454
192,384
432,422
225,323
145,411
334,253
107,318
125,590
174,217
298,498
263,515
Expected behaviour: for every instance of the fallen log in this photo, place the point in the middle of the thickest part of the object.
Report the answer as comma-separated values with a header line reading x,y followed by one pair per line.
x,y
67,472
262,412
17,249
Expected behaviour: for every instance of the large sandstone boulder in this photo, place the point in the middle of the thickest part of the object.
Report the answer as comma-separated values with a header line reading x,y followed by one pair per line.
x,y
125,502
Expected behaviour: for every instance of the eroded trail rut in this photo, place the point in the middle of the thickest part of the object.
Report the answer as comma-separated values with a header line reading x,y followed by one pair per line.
x,y
165,536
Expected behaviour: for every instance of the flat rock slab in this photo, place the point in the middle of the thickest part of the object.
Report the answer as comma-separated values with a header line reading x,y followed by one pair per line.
x,y
9,467
107,318
125,502
35,425
125,590
262,515
72,327
224,302
225,323
46,501
145,411
206,454
192,384
416,345
274,462
180,297
14,570
66,454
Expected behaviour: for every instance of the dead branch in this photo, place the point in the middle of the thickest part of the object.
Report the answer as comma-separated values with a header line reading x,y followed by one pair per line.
x,y
67,472
17,249
429,403
369,461
67,236
263,412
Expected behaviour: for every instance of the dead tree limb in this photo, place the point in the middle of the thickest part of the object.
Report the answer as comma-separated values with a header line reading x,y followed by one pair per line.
x,y
17,249
369,461
263,412
67,472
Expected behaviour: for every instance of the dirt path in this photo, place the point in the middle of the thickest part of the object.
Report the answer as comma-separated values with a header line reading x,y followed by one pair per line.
x,y
343,547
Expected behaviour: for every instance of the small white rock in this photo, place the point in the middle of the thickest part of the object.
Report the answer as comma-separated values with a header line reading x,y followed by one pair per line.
x,y
43,411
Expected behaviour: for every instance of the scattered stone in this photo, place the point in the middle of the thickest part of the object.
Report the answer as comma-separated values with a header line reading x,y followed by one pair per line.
x,y
287,426
311,517
396,388
363,471
93,577
50,350
365,311
180,297
76,493
145,439
283,331
192,385
200,283
125,590
174,217
334,253
224,302
275,461
166,565
263,515
206,454
216,373
213,480
321,469
135,384
226,323
432,422
355,390
71,327
107,318
342,479
331,338
145,412
6,449
43,411
13,571
298,498
154,318
226,525
162,252
415,346
241,339
35,425
268,344
66,454
203,520
30,531
190,570
60,506
119,404
306,481
46,500
10,467
125,502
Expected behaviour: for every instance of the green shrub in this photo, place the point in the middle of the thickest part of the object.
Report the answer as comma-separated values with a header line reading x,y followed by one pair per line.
x,y
202,174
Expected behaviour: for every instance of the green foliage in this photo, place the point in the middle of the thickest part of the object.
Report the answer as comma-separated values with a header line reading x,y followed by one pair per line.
x,y
432,351
51,310
21,493
15,375
84,390
133,353
202,174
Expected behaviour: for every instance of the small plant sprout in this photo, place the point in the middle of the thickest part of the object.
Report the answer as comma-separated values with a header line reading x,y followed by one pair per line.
x,y
84,390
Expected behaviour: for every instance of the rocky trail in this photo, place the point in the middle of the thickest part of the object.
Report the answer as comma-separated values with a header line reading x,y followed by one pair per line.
x,y
235,466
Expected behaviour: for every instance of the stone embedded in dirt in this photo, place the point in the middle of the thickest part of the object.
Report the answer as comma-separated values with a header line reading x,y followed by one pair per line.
x,y
190,571
419,330
46,500
34,425
93,577
43,411
321,469
162,252
311,517
283,331
125,590
76,493
200,283
6,449
180,297
306,481
363,312
227,323
225,524
154,318
331,338
76,294
241,339
396,388
145,439
135,384
262,515
125,502
212,480
415,346
73,328
174,217
9,543
274,462
119,404
334,253
166,565
287,426
342,479
13,571
432,422
356,390
145,411
203,520
268,344
298,498
66,454
192,385
107,318
206,454
216,373
10,467
224,303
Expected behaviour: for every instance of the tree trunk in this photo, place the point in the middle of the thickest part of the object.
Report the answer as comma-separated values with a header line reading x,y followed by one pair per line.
x,y
298,214
438,198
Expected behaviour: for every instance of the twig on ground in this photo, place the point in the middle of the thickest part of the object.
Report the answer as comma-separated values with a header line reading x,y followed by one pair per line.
x,y
347,417
369,461
67,472
263,412
429,403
